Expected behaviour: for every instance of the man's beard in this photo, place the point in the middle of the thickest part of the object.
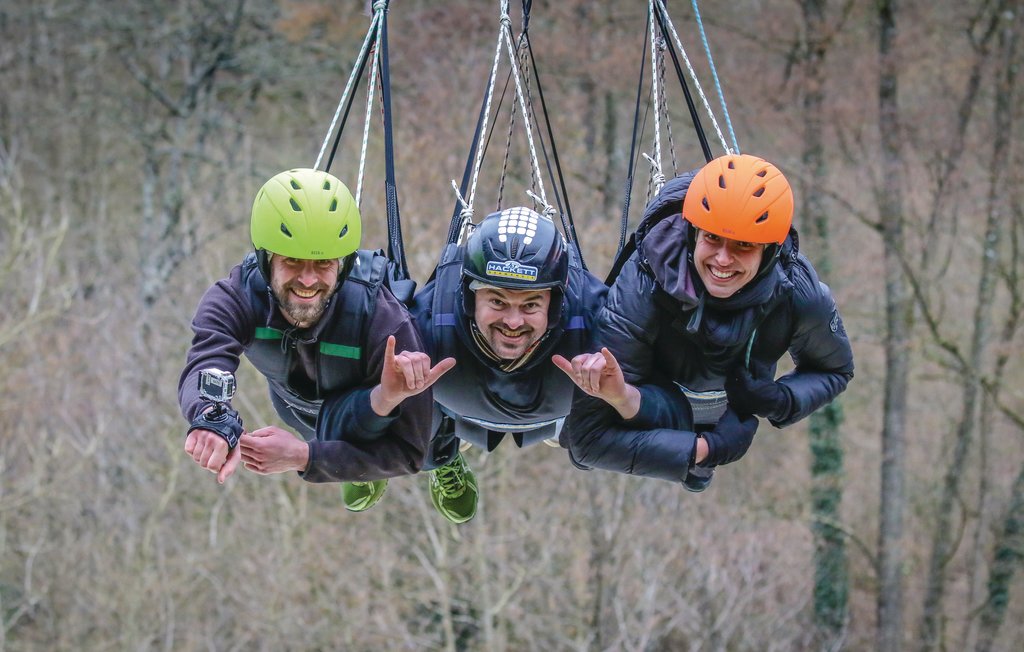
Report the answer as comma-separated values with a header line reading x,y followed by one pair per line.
x,y
303,314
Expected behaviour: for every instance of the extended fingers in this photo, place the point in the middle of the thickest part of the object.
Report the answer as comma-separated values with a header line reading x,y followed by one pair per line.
x,y
440,369
564,365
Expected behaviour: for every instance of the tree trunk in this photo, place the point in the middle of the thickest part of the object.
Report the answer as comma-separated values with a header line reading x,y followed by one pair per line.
x,y
943,545
831,579
899,319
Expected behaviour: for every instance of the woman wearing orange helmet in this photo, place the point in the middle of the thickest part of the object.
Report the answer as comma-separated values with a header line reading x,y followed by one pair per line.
x,y
714,295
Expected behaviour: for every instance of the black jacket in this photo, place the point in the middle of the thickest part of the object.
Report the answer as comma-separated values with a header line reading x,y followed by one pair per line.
x,y
667,332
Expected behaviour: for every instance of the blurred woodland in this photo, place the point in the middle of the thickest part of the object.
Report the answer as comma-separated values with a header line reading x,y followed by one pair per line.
x,y
133,137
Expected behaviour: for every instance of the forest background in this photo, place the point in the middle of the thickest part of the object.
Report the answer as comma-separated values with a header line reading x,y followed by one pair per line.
x,y
133,136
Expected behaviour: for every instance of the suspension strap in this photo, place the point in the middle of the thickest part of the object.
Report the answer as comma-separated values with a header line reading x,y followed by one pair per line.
x,y
666,28
631,169
656,11
466,191
377,35
561,194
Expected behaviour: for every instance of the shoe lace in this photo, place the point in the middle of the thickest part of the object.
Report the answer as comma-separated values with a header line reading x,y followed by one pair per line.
x,y
449,479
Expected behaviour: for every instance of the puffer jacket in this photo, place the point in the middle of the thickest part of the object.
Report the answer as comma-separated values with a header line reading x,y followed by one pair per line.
x,y
667,333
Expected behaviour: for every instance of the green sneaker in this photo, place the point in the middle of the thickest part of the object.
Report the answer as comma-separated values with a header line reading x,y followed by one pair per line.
x,y
453,490
361,496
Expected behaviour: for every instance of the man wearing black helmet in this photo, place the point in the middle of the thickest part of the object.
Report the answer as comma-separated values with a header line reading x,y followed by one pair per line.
x,y
310,310
714,295
501,304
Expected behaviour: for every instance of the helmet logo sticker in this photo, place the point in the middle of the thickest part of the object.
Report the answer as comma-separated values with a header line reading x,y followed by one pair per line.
x,y
517,221
512,269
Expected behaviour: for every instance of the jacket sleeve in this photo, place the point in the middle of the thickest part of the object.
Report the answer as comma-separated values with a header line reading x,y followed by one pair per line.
x,y
658,442
223,325
820,350
353,443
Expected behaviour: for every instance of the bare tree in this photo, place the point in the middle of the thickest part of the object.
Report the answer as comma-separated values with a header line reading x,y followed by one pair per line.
x,y
831,579
899,321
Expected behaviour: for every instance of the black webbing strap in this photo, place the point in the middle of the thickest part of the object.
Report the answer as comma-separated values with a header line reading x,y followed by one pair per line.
x,y
631,170
456,223
559,190
348,107
686,89
627,247
396,249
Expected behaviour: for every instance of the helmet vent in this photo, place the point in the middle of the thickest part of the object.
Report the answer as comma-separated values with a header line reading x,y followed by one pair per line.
x,y
513,248
762,218
295,206
761,173
732,164
334,205
704,202
295,184
284,230
327,185
344,230
721,181
759,191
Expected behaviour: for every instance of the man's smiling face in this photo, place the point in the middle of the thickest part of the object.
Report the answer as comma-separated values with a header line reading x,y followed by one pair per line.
x,y
511,321
303,287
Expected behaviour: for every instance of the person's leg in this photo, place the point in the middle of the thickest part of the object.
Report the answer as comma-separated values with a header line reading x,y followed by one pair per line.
x,y
453,487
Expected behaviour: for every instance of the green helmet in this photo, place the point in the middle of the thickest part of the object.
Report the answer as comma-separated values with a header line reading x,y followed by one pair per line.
x,y
305,214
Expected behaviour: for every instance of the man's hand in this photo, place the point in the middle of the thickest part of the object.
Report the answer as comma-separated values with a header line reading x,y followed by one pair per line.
x,y
755,391
210,451
273,450
404,375
599,375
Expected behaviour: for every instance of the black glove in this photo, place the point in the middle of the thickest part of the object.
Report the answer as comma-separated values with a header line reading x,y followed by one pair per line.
x,y
755,391
225,422
729,440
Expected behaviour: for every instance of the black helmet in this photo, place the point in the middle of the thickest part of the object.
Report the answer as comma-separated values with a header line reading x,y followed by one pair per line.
x,y
518,249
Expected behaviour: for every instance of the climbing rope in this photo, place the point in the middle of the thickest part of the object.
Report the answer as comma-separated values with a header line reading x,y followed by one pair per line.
x,y
714,76
655,45
505,39
357,71
371,87
667,21
377,40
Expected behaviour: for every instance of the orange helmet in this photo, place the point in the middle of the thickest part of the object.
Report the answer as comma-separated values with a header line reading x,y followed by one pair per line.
x,y
740,197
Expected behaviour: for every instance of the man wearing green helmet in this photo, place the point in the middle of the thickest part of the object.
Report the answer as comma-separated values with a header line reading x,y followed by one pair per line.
x,y
312,313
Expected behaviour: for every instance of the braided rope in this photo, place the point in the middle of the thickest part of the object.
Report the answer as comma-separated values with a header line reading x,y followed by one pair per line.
x,y
693,76
513,60
371,88
465,215
351,80
665,111
505,21
714,75
656,98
